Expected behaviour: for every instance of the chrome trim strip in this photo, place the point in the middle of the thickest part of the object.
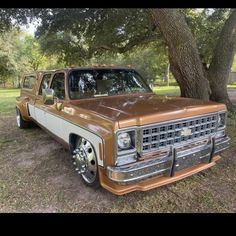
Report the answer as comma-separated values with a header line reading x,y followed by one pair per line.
x,y
225,143
139,177
79,126
128,174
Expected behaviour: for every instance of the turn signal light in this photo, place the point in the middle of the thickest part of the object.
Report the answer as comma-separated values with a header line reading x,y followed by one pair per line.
x,y
100,151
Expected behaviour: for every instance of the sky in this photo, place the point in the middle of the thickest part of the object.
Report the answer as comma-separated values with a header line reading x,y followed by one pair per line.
x,y
30,28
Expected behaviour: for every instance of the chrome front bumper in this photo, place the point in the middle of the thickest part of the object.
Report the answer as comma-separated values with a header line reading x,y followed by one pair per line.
x,y
178,158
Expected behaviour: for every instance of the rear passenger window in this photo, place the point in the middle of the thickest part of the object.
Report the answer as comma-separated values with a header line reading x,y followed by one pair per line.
x,y
44,83
29,82
58,85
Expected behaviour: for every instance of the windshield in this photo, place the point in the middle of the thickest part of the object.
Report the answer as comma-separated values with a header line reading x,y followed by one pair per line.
x,y
105,82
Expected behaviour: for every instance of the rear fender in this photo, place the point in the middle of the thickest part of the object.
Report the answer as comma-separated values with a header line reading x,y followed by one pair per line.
x,y
21,104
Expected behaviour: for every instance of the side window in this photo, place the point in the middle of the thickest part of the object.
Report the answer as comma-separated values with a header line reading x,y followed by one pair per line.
x,y
29,82
58,85
44,83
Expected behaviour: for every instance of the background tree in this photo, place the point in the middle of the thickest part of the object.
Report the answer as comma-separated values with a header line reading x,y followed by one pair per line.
x,y
82,33
31,51
222,61
10,57
234,64
185,62
206,25
20,53
76,35
151,62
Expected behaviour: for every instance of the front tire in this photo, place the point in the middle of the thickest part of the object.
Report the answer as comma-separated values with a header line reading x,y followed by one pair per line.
x,y
85,161
22,124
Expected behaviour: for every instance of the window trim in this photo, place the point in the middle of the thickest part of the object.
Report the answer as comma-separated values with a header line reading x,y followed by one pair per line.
x,y
51,81
42,82
88,69
24,78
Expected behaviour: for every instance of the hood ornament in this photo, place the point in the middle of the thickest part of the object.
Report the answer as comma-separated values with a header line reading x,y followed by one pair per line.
x,y
185,132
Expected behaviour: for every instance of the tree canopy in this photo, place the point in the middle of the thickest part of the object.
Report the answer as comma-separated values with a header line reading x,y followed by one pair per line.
x,y
190,38
20,53
80,33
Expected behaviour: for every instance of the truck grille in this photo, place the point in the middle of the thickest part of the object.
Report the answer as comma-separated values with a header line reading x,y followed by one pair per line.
x,y
176,132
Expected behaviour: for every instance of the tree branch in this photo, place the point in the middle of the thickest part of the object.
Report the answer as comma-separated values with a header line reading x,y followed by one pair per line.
x,y
135,42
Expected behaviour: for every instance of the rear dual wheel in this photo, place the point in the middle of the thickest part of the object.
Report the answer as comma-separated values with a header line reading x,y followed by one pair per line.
x,y
22,124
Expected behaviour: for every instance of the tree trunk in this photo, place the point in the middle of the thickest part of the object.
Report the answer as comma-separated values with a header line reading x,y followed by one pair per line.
x,y
18,81
221,63
185,63
168,74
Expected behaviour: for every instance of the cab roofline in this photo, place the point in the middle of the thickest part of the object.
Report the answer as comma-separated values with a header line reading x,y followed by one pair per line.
x,y
80,68
101,68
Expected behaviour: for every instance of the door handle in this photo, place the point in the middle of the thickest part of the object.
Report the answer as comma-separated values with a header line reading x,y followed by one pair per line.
x,y
42,106
26,98
59,106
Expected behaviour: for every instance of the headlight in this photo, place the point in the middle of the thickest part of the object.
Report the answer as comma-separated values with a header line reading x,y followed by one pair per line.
x,y
221,120
126,148
124,140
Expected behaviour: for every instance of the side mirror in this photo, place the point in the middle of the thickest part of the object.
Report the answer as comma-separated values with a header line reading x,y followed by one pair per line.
x,y
48,96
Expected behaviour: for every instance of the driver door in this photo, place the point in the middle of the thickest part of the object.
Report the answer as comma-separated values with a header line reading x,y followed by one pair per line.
x,y
40,108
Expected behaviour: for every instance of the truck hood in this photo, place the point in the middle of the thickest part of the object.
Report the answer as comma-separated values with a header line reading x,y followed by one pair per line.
x,y
141,109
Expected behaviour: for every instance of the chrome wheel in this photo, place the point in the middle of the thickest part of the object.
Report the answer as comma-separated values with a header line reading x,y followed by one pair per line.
x,y
85,160
18,117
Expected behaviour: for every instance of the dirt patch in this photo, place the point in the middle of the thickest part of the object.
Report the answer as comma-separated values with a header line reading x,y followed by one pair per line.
x,y
36,175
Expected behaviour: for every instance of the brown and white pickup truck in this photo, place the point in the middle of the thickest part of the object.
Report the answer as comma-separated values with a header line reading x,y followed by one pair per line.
x,y
120,134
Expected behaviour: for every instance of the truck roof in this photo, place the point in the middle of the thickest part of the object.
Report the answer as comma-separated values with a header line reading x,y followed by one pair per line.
x,y
82,68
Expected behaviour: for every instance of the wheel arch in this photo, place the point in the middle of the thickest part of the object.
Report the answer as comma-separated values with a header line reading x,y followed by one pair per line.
x,y
72,140
72,143
88,173
23,108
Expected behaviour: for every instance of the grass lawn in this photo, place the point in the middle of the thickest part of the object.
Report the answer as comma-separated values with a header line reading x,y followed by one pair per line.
x,y
175,90
37,176
8,96
167,90
233,86
8,99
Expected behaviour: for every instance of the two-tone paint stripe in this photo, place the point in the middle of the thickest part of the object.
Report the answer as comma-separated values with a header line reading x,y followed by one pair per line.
x,y
63,128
